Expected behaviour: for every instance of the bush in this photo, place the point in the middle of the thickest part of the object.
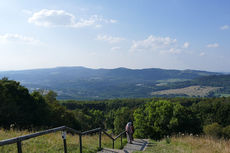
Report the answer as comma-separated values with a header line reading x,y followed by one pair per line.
x,y
226,132
213,130
167,140
159,118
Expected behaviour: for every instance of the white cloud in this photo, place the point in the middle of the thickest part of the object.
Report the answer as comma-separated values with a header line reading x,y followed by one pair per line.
x,y
113,21
16,38
93,20
225,27
98,26
173,51
186,45
52,18
55,18
214,45
159,44
202,54
110,39
115,48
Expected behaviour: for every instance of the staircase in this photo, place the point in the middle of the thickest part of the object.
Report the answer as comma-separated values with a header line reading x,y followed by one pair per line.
x,y
137,145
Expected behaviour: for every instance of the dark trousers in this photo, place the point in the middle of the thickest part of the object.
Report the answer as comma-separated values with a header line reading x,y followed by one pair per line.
x,y
129,137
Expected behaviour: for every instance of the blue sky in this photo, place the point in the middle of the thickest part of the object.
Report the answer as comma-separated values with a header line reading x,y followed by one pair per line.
x,y
171,34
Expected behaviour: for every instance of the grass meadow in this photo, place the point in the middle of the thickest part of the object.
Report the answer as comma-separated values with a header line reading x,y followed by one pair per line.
x,y
53,143
188,144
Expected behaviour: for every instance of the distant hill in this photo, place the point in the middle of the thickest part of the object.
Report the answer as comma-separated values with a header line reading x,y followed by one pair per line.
x,y
86,83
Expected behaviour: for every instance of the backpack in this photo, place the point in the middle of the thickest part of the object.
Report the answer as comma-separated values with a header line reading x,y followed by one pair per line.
x,y
128,127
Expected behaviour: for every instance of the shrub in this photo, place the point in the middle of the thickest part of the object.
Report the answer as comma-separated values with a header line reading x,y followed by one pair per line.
x,y
226,132
213,130
167,140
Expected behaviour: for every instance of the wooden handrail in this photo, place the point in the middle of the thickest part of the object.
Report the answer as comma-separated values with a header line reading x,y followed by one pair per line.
x,y
28,136
91,131
119,135
113,139
108,135
72,130
19,139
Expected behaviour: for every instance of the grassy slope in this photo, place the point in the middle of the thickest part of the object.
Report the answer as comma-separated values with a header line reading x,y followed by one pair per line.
x,y
189,144
190,91
52,143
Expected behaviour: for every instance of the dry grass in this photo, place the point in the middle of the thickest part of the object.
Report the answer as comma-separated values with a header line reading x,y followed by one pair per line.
x,y
203,144
189,144
190,91
53,143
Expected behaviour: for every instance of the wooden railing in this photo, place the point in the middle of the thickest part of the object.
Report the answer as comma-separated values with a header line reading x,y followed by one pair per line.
x,y
114,139
64,129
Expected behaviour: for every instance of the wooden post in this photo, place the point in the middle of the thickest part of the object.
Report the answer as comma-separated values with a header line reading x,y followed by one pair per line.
x,y
100,139
113,143
80,142
64,141
19,146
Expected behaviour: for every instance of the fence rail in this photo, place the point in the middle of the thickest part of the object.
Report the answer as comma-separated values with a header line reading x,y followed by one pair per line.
x,y
64,129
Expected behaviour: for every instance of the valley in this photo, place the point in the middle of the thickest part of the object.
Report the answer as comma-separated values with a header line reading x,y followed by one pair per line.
x,y
94,84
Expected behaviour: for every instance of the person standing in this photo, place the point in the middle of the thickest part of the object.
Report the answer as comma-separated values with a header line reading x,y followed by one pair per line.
x,y
129,131
132,127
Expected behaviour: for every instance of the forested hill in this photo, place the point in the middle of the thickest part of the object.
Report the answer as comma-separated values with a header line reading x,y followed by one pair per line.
x,y
75,73
86,83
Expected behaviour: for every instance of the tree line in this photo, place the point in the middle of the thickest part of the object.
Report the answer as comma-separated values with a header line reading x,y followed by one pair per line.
x,y
24,110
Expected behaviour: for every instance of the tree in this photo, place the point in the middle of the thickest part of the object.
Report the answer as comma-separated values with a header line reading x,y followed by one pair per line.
x,y
31,111
109,119
122,117
161,118
50,97
140,123
97,118
16,104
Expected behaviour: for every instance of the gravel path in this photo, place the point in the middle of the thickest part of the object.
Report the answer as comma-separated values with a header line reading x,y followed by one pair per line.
x,y
137,145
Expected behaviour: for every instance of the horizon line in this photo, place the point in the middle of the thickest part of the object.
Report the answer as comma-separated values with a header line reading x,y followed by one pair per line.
x,y
43,68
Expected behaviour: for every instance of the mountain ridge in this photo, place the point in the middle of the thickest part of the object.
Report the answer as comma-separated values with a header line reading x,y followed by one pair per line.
x,y
77,82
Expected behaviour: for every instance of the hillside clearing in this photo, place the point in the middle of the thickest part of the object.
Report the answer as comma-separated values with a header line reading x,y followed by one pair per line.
x,y
190,91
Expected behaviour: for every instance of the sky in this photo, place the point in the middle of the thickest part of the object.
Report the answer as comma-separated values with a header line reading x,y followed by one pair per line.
x,y
168,34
